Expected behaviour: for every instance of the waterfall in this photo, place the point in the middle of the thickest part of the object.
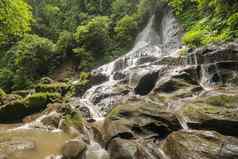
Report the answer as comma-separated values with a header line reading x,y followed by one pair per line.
x,y
149,43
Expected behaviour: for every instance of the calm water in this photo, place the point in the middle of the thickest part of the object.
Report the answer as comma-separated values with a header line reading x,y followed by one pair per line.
x,y
47,143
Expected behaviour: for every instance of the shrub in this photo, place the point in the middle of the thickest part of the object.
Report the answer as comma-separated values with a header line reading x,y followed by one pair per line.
x,y
193,38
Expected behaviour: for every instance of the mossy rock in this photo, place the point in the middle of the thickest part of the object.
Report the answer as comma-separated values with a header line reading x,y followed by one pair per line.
x,y
143,117
195,144
61,88
23,93
39,101
7,98
13,111
19,107
218,113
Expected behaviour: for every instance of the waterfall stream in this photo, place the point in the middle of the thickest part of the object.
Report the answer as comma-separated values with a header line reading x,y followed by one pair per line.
x,y
148,43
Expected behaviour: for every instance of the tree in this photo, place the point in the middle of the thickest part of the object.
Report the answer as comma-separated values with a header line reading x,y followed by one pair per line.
x,y
94,36
15,19
126,30
34,56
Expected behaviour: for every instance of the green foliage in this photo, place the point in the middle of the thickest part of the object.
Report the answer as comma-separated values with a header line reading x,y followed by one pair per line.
x,y
6,79
83,58
85,33
33,56
207,21
75,119
223,101
94,35
2,93
120,8
15,19
65,43
126,30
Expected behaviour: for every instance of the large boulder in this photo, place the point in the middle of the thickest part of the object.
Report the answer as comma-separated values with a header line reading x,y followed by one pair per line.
x,y
16,107
74,149
195,144
124,149
216,112
56,87
214,53
140,117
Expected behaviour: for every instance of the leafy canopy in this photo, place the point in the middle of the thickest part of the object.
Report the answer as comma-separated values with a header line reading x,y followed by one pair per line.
x,y
15,19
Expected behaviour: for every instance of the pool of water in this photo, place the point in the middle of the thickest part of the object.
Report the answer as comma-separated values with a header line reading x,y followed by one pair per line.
x,y
17,144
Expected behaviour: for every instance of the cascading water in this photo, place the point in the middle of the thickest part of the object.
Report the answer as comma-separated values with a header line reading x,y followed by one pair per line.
x,y
149,43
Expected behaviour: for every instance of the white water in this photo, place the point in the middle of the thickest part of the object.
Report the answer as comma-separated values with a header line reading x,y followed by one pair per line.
x,y
94,149
148,44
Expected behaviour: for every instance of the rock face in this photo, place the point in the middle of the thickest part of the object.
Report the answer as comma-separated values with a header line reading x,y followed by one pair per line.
x,y
14,107
217,112
194,144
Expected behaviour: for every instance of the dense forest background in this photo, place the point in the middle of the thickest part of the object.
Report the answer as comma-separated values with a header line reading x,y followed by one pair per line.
x,y
39,36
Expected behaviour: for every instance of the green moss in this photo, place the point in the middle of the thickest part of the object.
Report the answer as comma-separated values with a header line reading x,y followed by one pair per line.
x,y
39,101
2,93
223,101
214,107
61,88
75,120
114,113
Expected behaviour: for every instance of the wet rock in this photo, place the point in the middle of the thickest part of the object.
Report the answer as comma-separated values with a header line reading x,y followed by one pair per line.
x,y
119,76
171,61
95,151
140,117
98,78
179,83
74,149
85,112
224,52
124,149
18,108
217,112
146,83
195,144
221,73
52,120
146,59
92,79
